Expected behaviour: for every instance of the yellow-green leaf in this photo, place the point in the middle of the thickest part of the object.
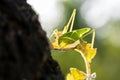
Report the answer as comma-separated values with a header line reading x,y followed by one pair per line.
x,y
86,50
75,74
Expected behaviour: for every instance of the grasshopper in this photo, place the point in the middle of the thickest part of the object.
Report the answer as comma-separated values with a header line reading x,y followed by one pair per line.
x,y
68,38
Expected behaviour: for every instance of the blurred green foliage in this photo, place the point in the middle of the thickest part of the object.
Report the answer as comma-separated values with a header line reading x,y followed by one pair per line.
x,y
107,61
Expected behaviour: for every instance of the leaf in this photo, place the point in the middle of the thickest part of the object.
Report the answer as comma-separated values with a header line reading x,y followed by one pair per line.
x,y
71,37
75,74
86,50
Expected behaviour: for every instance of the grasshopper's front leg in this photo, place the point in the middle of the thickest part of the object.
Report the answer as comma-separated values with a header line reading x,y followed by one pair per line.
x,y
55,35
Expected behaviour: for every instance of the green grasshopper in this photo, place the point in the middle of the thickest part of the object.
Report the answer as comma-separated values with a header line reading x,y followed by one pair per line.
x,y
68,38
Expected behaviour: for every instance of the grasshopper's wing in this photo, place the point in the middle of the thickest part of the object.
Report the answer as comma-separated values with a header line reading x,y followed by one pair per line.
x,y
71,37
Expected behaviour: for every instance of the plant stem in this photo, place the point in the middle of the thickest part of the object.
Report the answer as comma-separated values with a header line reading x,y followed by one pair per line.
x,y
88,69
87,65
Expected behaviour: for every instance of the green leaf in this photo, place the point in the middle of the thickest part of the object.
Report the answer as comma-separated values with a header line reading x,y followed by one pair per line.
x,y
71,37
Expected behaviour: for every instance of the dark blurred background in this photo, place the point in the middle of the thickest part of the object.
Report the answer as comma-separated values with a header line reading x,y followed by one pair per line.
x,y
103,16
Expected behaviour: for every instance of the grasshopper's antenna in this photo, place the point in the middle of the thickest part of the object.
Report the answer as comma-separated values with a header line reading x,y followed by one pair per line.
x,y
68,24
